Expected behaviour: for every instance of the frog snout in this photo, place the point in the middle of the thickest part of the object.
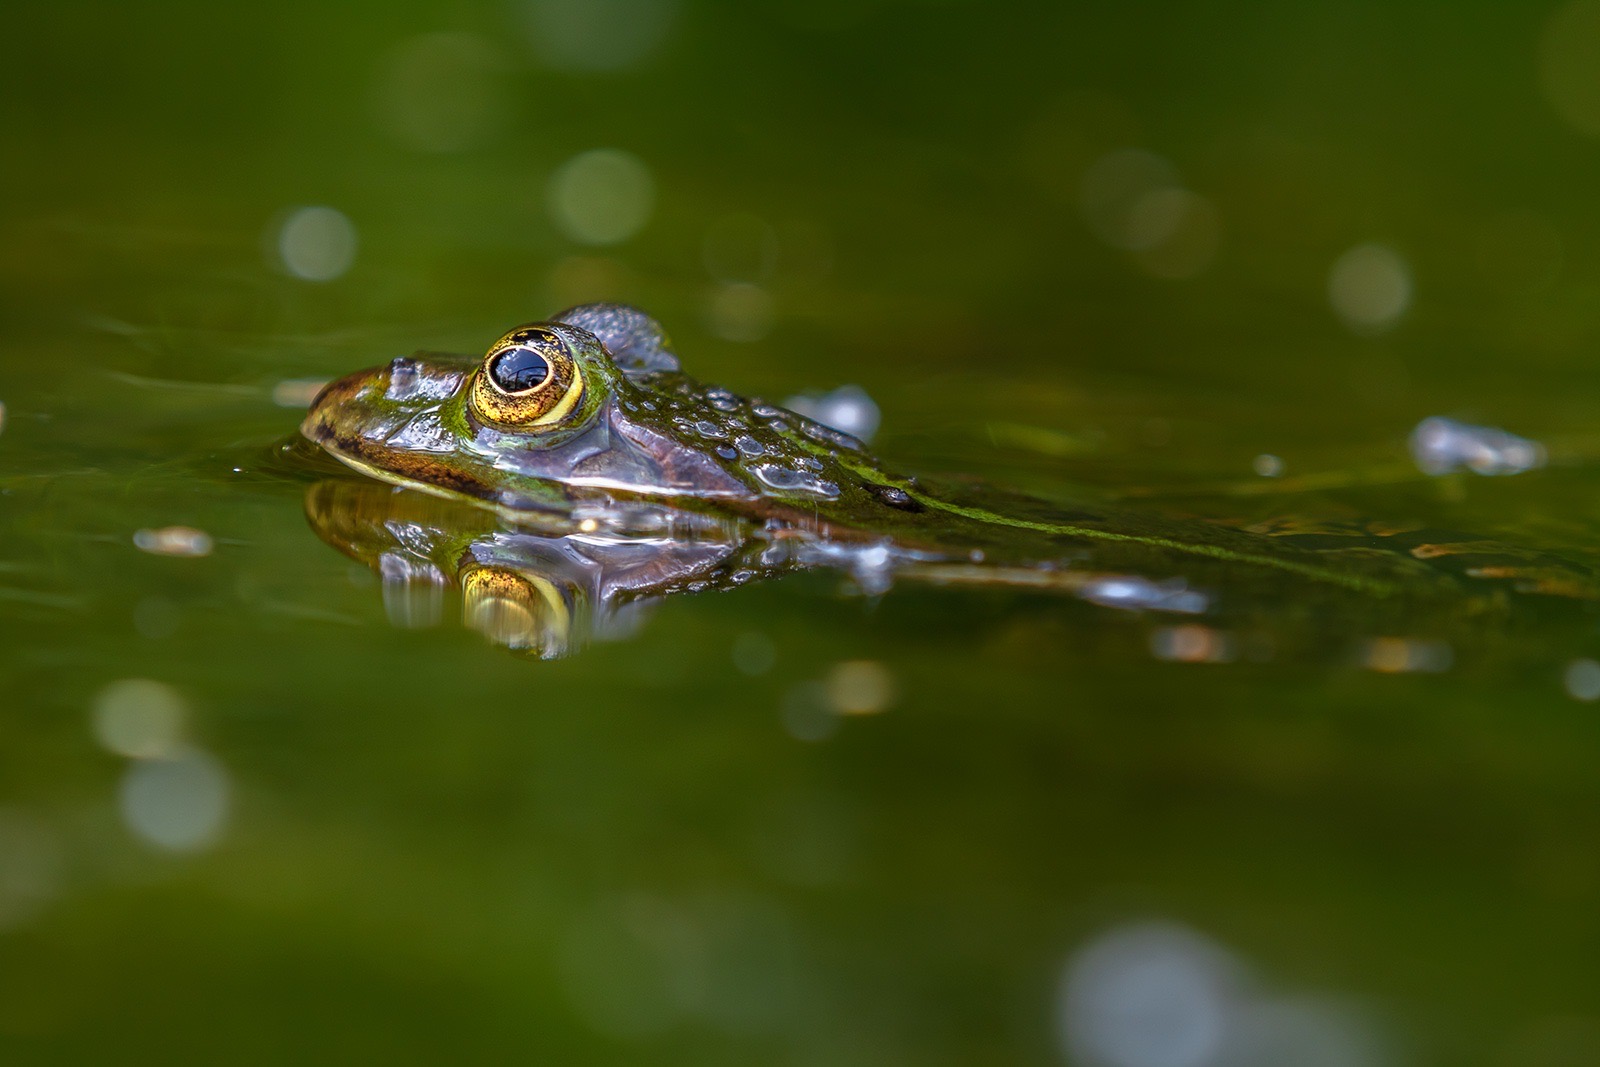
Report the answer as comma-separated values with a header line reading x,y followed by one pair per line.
x,y
343,402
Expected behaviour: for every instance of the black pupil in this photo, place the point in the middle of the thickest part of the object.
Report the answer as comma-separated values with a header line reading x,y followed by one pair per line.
x,y
519,369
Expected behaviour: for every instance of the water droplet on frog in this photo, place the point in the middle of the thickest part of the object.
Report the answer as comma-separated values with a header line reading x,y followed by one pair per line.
x,y
750,446
787,478
724,402
727,452
708,428
779,477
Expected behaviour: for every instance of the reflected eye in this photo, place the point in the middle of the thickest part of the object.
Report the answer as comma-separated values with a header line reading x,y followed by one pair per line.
x,y
528,380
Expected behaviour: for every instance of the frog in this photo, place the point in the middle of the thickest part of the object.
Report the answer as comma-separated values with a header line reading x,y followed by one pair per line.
x,y
586,425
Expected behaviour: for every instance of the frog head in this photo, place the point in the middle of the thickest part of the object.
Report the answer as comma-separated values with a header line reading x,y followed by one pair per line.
x,y
587,406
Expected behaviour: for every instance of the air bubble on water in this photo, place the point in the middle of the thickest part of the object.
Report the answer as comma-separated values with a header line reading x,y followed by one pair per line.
x,y
173,541
1440,446
1133,593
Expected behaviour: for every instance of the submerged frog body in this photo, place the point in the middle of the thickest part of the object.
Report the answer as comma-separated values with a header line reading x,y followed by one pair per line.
x,y
585,426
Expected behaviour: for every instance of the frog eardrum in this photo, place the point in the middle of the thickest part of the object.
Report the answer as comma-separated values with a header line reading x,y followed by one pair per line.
x,y
528,380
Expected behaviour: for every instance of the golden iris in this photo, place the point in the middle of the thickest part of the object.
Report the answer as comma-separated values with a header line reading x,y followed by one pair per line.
x,y
528,380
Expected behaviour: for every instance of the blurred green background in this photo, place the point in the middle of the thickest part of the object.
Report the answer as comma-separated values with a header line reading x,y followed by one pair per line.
x,y
1067,246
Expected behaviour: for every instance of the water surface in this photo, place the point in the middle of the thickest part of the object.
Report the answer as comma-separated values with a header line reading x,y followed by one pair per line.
x,y
1087,255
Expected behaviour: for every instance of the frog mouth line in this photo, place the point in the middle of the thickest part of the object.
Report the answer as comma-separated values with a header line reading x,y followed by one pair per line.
x,y
392,465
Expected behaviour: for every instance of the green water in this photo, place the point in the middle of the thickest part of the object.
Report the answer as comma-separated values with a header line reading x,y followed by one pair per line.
x,y
361,841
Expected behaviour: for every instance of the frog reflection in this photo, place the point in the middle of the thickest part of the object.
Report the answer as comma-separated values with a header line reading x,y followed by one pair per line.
x,y
534,591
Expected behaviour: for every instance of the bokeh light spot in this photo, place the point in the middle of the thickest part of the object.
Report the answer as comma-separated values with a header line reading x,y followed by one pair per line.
x,y
1148,995
316,243
1370,288
1582,680
596,35
178,802
139,717
1267,465
860,687
601,197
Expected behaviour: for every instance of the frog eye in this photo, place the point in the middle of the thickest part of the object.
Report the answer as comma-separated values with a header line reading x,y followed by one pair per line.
x,y
528,380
